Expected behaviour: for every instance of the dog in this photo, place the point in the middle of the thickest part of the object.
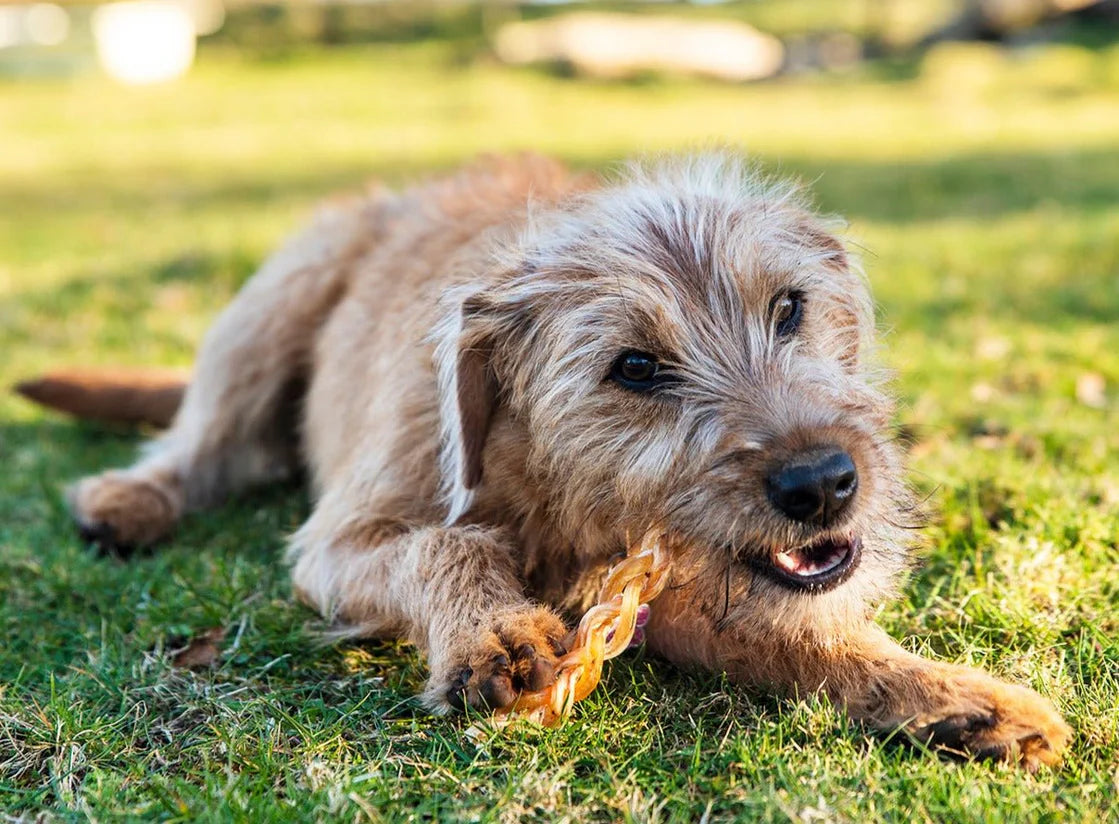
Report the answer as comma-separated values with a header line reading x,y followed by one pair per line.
x,y
494,377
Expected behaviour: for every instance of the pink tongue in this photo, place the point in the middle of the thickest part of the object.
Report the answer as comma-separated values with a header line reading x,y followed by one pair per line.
x,y
639,630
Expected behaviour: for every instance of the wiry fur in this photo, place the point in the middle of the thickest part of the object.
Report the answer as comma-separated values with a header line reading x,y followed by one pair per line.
x,y
470,459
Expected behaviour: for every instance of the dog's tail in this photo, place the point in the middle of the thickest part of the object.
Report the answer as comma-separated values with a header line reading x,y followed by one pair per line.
x,y
112,395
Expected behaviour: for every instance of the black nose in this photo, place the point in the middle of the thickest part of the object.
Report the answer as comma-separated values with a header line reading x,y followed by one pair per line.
x,y
814,487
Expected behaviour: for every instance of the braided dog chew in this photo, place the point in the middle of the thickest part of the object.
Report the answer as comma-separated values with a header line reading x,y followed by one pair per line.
x,y
604,633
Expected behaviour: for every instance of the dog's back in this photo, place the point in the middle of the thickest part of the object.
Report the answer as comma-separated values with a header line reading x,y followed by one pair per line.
x,y
373,359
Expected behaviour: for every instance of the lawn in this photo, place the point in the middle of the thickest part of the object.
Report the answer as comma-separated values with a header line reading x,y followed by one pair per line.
x,y
986,196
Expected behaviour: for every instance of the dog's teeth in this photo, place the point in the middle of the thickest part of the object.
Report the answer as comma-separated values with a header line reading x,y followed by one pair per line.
x,y
788,563
796,563
818,565
836,559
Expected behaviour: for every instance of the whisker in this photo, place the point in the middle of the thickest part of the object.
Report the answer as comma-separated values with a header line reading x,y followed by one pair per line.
x,y
722,624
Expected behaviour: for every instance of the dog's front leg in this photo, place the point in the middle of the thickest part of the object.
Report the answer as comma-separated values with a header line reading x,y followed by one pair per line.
x,y
956,709
452,591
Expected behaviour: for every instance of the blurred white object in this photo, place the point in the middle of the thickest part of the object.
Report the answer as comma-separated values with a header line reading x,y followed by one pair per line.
x,y
40,24
144,41
620,45
47,24
208,15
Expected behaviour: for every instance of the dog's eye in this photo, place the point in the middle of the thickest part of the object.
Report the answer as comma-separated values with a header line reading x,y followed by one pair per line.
x,y
637,371
787,311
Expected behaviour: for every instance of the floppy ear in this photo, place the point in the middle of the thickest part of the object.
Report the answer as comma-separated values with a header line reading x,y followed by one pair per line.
x,y
468,394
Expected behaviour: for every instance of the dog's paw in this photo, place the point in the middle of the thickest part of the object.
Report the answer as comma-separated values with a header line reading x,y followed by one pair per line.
x,y
508,654
119,513
1000,722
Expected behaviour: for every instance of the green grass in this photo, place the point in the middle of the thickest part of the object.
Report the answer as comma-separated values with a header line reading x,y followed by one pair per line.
x,y
990,214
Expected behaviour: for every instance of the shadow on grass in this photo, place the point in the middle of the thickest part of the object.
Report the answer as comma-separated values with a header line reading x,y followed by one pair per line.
x,y
55,452
978,186
974,185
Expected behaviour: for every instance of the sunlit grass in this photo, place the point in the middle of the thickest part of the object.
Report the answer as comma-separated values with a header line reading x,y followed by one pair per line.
x,y
989,211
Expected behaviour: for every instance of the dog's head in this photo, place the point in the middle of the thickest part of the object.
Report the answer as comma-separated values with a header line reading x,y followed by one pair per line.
x,y
690,346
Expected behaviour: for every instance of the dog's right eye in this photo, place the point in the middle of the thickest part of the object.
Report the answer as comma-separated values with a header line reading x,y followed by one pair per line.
x,y
637,371
787,310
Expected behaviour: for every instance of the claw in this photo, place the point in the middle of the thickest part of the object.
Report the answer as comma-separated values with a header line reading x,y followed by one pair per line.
x,y
100,536
498,691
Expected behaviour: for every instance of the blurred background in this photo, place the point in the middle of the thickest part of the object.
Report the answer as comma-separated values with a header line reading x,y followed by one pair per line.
x,y
152,151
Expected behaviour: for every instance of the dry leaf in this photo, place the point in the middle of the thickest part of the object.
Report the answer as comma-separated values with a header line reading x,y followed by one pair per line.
x,y
201,651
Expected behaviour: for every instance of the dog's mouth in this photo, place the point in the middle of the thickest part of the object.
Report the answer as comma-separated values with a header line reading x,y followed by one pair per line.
x,y
815,567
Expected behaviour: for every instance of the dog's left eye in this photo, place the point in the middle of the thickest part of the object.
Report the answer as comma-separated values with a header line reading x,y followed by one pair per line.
x,y
787,310
637,371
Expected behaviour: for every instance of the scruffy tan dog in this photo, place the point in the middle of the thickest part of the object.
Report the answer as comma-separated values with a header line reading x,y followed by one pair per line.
x,y
496,376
